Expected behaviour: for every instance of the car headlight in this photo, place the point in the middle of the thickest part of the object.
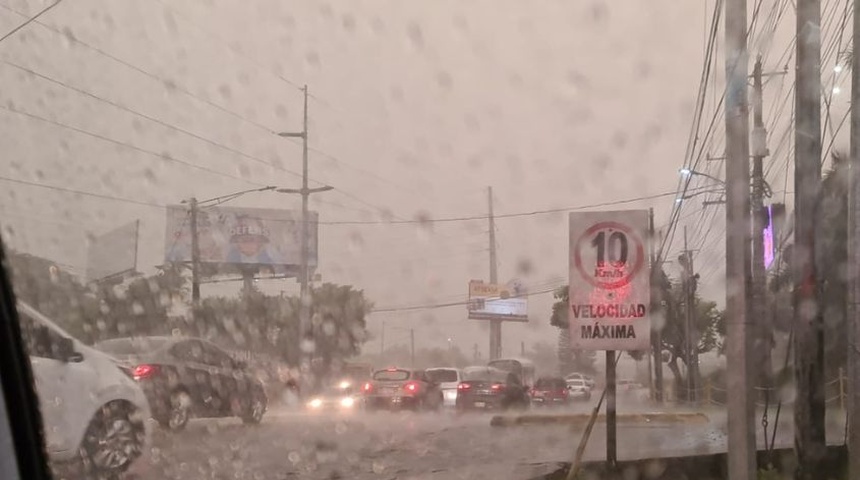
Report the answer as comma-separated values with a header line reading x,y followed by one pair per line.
x,y
315,403
347,402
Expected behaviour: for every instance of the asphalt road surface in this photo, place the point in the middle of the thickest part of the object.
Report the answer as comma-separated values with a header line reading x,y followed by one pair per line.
x,y
290,444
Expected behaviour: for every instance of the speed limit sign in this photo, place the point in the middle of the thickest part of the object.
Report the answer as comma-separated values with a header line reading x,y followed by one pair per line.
x,y
609,281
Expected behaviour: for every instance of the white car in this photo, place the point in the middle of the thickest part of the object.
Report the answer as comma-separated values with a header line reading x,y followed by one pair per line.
x,y
448,380
94,414
578,389
581,376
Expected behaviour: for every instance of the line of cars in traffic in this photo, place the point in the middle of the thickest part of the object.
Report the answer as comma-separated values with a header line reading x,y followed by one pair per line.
x,y
508,384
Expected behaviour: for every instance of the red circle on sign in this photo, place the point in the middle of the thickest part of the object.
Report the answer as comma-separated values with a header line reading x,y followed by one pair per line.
x,y
640,255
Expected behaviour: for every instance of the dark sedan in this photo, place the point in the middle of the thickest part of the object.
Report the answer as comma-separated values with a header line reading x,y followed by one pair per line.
x,y
399,388
488,388
189,377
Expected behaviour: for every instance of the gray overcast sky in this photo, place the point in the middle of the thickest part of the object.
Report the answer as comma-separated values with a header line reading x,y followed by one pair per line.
x,y
417,108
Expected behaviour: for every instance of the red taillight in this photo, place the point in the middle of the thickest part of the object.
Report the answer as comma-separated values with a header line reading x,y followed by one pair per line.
x,y
498,386
367,388
411,387
463,386
143,371
563,393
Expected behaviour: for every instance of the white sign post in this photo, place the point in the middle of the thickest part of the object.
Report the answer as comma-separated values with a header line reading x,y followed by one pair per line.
x,y
610,281
610,294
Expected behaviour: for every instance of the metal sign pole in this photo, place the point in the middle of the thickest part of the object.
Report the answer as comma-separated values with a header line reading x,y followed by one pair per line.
x,y
611,422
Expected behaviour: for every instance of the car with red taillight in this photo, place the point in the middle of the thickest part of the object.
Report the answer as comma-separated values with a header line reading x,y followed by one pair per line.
x,y
550,391
488,388
401,388
185,377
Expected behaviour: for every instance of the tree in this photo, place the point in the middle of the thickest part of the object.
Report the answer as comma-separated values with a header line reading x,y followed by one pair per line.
x,y
54,292
270,325
708,320
831,259
570,360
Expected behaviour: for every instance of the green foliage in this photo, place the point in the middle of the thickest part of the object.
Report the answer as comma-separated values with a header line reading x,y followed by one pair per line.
x,y
831,258
708,321
143,306
569,360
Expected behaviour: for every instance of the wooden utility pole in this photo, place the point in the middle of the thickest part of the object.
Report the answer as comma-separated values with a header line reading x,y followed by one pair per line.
x,y
305,327
809,407
758,301
495,325
741,408
195,256
412,347
691,334
657,333
853,229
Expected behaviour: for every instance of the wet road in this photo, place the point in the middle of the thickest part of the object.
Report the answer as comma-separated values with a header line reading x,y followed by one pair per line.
x,y
291,444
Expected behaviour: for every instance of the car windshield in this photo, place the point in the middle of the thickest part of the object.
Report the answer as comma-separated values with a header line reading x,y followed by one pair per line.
x,y
550,383
442,375
225,208
485,375
132,346
392,375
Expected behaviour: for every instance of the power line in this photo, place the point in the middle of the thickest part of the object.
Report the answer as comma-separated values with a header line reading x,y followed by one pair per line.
x,y
81,192
449,304
169,84
507,215
30,20
130,146
235,50
147,117
172,85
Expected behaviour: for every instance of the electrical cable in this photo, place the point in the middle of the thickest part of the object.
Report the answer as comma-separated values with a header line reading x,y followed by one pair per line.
x,y
127,145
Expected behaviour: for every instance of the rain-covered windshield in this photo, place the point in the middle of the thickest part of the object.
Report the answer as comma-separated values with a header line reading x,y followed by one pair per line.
x,y
442,375
547,383
132,346
392,375
243,204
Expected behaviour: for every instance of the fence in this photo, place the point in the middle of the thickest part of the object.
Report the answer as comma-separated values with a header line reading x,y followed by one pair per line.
x,y
712,393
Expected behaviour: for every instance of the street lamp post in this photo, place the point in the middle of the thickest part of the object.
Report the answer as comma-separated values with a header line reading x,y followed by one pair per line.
x,y
305,332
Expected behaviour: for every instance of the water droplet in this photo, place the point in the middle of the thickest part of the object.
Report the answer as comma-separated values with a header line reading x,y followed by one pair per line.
x,y
413,31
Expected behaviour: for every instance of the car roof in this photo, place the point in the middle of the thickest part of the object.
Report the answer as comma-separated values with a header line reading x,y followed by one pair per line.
x,y
25,307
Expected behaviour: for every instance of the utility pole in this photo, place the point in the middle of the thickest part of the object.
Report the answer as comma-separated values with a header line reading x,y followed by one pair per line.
x,y
809,407
741,407
853,229
495,325
305,330
382,340
758,301
195,257
691,334
657,334
412,347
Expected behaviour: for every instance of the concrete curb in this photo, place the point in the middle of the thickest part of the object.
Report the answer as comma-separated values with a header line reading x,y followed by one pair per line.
x,y
582,418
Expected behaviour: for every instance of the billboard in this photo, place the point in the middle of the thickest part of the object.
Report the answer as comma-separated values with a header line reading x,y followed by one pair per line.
x,y
610,284
488,301
233,239
114,253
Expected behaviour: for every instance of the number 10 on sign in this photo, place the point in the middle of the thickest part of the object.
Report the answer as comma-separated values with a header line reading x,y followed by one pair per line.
x,y
609,280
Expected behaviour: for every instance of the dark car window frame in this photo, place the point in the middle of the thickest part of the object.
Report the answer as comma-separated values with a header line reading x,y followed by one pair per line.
x,y
19,395
214,356
183,351
39,340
